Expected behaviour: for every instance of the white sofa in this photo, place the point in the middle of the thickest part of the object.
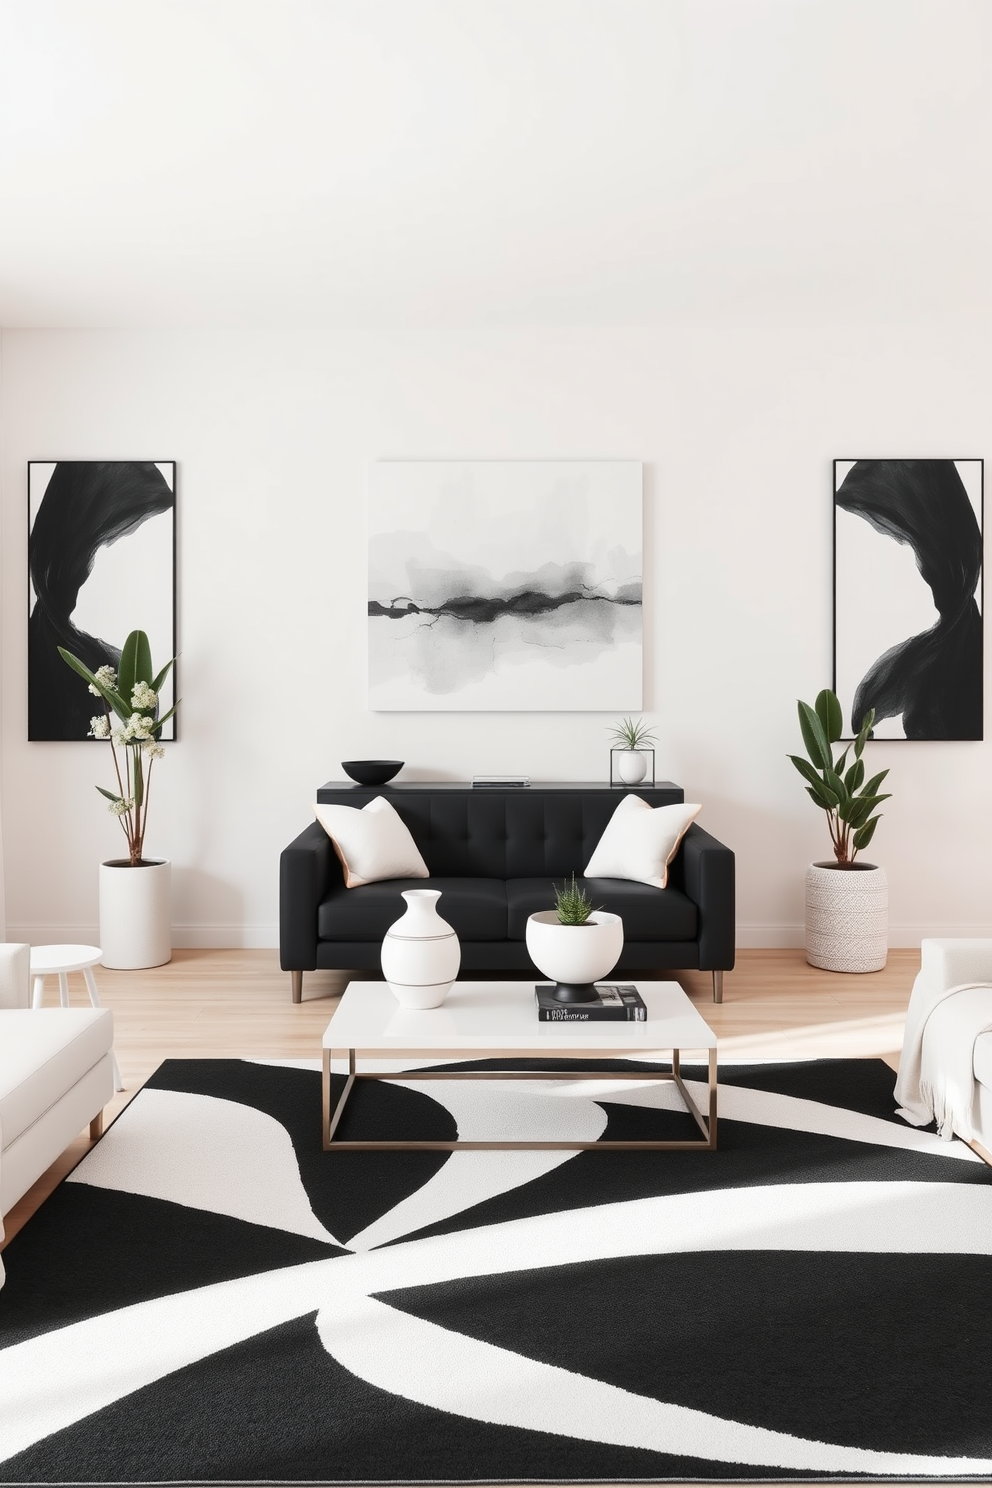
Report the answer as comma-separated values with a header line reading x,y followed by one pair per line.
x,y
56,1076
958,963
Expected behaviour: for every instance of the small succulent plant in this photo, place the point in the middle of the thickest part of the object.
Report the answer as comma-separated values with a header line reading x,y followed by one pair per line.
x,y
572,903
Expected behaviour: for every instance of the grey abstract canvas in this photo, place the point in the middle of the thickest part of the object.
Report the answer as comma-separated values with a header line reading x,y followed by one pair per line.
x,y
908,596
505,585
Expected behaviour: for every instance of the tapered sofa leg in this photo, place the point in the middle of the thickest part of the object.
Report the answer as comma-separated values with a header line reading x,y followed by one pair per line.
x,y
297,977
718,986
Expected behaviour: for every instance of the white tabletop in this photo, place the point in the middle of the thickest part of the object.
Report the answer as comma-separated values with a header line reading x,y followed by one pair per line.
x,y
47,959
503,1015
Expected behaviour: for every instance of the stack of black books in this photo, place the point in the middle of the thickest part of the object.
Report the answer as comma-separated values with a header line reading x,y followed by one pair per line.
x,y
615,1003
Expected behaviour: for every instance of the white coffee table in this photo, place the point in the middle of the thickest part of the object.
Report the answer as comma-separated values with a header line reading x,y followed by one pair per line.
x,y
496,1020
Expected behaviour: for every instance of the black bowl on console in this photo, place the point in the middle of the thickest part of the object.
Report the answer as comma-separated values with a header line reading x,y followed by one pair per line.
x,y
371,772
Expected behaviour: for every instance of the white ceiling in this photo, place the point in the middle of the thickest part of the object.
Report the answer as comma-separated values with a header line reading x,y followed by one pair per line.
x,y
499,161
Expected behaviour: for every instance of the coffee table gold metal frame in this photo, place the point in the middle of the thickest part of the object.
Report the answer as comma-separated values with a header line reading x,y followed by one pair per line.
x,y
331,1116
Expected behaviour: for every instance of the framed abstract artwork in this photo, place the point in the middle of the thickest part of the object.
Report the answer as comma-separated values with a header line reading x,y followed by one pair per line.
x,y
101,563
908,596
505,585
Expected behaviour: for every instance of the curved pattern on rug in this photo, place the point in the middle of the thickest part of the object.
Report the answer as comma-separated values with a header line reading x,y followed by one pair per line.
x,y
210,1297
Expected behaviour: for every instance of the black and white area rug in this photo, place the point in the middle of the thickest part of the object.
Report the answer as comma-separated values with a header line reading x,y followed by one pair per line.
x,y
210,1298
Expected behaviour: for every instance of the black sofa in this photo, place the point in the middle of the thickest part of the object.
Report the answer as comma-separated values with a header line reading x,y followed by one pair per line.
x,y
495,853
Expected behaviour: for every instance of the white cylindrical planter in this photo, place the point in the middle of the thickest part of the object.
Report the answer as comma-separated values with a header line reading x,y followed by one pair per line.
x,y
632,766
574,954
420,952
135,914
847,917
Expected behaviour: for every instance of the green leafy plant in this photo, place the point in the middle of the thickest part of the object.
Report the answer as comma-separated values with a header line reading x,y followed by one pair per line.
x,y
631,733
130,693
838,786
572,903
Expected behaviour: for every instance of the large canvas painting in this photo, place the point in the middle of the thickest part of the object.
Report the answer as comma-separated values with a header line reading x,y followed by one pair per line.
x,y
502,585
908,596
101,558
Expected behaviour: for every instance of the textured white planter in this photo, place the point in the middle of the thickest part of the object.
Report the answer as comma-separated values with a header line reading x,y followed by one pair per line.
x,y
135,914
632,766
847,917
420,953
574,953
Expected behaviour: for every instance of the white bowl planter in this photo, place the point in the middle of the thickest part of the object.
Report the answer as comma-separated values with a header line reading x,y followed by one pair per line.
x,y
135,914
420,952
847,917
575,955
631,765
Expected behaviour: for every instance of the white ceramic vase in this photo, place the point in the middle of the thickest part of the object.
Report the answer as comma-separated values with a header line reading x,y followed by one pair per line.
x,y
574,954
847,917
420,953
135,914
631,765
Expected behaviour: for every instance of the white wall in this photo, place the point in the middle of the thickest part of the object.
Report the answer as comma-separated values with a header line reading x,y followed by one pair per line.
x,y
273,433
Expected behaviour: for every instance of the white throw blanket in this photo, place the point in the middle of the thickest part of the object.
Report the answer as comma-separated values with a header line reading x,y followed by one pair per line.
x,y
937,1072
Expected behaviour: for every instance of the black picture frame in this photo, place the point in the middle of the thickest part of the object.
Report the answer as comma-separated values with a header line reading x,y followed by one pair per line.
x,y
908,596
101,563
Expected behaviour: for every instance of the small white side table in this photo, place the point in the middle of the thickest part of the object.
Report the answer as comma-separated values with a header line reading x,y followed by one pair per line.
x,y
59,960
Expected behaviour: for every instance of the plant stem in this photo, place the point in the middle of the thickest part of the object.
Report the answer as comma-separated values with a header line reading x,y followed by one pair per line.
x,y
144,820
120,786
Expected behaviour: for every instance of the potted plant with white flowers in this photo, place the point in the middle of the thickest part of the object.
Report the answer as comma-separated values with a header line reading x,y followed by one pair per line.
x,y
135,892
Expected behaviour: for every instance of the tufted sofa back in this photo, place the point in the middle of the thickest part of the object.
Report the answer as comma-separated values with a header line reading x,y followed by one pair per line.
x,y
535,831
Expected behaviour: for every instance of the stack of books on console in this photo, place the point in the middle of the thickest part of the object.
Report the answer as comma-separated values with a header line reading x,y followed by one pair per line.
x,y
500,780
616,1003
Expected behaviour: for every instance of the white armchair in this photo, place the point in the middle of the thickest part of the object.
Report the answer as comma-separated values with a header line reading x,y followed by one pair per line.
x,y
946,1065
56,1076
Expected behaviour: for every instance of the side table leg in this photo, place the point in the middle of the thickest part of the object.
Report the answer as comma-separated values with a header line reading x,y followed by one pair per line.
x,y
325,1102
38,992
63,989
712,1094
95,1002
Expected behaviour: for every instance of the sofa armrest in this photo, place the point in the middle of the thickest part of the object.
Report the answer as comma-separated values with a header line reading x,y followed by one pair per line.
x,y
708,879
306,869
15,975
948,963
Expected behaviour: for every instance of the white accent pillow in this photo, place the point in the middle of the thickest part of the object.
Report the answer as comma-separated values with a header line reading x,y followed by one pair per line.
x,y
640,841
373,843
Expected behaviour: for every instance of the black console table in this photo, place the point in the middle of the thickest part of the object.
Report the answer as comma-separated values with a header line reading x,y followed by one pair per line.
x,y
662,793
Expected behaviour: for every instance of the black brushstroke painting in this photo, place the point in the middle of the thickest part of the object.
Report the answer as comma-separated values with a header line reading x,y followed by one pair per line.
x,y
87,505
460,620
481,609
933,679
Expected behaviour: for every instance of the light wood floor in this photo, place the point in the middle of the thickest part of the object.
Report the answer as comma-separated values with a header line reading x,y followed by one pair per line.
x,y
226,1003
